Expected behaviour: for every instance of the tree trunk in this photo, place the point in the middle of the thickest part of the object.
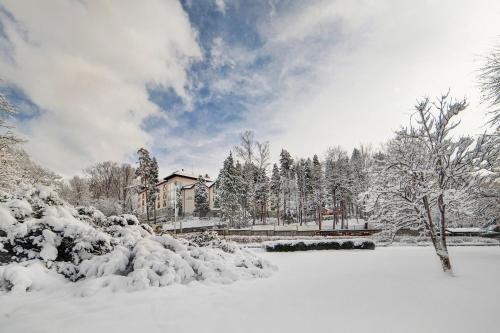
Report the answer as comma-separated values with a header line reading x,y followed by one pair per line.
x,y
335,218
278,212
147,207
284,207
439,243
342,212
445,260
320,217
154,212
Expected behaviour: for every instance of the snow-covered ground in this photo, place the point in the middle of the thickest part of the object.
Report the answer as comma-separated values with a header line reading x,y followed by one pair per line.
x,y
392,289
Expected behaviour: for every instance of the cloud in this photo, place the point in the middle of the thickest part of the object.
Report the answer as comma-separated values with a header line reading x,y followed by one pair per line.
x,y
87,65
304,75
221,5
350,71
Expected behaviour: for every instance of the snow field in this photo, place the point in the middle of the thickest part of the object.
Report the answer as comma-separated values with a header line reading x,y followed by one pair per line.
x,y
393,289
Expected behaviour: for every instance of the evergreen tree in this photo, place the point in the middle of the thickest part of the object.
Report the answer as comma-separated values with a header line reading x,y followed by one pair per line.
x,y
152,188
309,187
262,194
148,173
286,171
318,189
276,191
201,205
359,180
228,193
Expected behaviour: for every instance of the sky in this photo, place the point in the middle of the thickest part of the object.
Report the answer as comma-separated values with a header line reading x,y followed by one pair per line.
x,y
96,80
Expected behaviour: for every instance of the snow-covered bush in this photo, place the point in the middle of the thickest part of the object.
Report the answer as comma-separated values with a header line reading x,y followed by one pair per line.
x,y
123,220
44,239
91,215
313,244
210,238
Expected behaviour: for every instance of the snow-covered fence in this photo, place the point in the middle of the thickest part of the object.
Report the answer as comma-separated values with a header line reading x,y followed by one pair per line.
x,y
295,233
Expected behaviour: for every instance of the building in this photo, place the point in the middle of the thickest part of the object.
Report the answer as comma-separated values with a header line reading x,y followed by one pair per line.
x,y
165,202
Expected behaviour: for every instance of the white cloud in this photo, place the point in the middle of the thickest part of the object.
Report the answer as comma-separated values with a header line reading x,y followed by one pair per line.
x,y
221,5
350,71
87,65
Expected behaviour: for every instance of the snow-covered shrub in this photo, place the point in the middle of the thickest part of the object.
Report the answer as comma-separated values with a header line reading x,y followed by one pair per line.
x,y
91,215
42,239
210,238
313,244
123,220
36,224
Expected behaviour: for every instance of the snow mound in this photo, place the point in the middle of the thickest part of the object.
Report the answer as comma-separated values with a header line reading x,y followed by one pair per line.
x,y
44,242
317,244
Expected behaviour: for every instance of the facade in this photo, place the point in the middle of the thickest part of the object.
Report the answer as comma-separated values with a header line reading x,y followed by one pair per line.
x,y
166,203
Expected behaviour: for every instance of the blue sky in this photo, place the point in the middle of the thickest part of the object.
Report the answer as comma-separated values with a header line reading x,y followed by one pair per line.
x,y
185,78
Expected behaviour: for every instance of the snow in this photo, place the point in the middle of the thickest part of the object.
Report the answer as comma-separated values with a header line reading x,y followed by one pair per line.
x,y
471,230
192,222
318,244
391,289
117,253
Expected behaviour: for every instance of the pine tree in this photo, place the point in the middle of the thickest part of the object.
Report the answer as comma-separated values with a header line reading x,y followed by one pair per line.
x,y
309,188
228,193
358,164
276,191
147,171
286,171
152,188
317,189
300,178
201,205
262,194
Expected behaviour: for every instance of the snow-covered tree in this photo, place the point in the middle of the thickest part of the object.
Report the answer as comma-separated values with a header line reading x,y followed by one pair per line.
x,y
303,193
111,187
490,84
338,182
246,153
276,191
147,171
318,189
262,194
488,195
17,167
9,154
154,175
287,179
426,176
80,192
228,192
262,185
7,137
201,205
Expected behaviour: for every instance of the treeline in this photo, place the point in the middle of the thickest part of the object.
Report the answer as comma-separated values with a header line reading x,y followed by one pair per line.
x,y
108,186
16,166
293,190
